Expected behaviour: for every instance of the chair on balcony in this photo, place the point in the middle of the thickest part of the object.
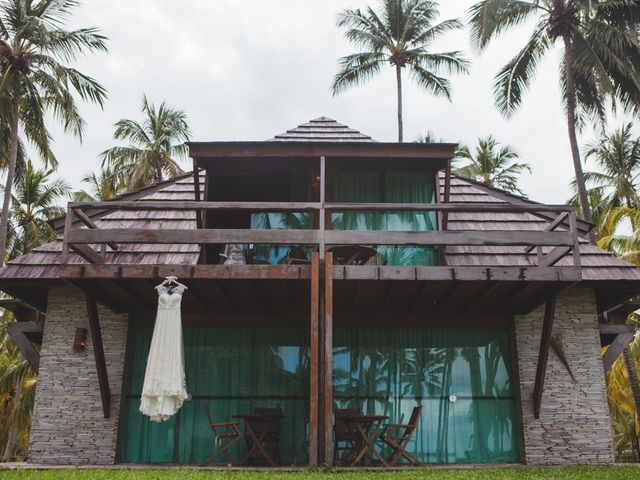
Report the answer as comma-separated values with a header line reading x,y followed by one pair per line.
x,y
226,435
398,435
271,428
344,436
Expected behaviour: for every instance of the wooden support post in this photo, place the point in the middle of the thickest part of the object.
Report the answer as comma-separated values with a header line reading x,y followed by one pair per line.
x,y
68,223
314,373
98,351
447,193
543,355
327,380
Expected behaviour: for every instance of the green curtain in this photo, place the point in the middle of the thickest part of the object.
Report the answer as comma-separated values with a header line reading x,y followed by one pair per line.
x,y
388,187
232,371
389,371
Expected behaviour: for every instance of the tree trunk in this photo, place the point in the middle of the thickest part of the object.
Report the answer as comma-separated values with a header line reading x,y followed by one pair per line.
x,y
399,85
633,379
11,171
573,141
13,429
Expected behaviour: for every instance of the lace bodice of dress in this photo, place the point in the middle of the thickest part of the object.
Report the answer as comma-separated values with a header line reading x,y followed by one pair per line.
x,y
169,297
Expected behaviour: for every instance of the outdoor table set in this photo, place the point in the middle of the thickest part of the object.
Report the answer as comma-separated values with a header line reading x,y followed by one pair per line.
x,y
359,432
262,433
354,433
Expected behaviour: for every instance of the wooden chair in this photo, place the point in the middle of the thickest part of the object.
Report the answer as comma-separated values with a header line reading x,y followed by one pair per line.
x,y
226,435
344,437
272,438
398,435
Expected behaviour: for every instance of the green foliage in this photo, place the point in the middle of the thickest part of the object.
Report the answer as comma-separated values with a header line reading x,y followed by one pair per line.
x,y
35,202
400,35
492,164
155,147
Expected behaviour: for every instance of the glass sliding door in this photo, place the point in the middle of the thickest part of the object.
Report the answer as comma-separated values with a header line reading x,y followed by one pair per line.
x,y
232,371
388,187
461,377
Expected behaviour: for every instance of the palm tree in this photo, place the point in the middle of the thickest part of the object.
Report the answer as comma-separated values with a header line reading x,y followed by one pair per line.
x,y
35,202
399,35
17,390
600,61
102,187
618,159
156,146
34,47
492,165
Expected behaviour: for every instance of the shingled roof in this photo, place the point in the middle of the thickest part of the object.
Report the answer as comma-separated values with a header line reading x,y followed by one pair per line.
x,y
597,265
322,129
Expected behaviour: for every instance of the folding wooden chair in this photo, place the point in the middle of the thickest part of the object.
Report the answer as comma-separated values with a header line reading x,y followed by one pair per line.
x,y
272,438
344,437
223,438
398,435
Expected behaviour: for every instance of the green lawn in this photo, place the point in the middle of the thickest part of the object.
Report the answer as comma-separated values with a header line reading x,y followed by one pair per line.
x,y
623,472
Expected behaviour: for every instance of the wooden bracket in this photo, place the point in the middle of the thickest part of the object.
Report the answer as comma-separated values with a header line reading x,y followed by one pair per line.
x,y
543,355
98,351
18,332
623,335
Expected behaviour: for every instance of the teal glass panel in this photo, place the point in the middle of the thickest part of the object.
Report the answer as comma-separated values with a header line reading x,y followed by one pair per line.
x,y
300,191
388,187
232,371
388,372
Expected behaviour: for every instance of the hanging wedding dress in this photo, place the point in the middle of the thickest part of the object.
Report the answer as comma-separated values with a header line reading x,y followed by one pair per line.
x,y
165,389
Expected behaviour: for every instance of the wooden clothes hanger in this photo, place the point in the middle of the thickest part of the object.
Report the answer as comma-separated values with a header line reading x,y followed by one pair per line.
x,y
172,279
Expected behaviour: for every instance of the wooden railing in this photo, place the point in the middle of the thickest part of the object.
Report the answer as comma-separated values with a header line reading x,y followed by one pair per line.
x,y
561,234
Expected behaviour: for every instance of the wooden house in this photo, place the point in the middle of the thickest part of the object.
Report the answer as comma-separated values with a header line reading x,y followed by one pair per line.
x,y
373,278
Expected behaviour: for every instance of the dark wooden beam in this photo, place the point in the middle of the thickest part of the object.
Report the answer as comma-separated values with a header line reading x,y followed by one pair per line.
x,y
444,300
482,296
543,354
156,272
85,251
623,335
327,381
98,351
84,218
208,151
314,367
17,331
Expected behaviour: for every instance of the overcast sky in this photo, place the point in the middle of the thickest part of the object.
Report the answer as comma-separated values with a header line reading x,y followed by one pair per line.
x,y
249,70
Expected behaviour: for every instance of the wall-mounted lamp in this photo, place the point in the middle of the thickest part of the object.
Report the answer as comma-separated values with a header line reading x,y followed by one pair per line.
x,y
80,340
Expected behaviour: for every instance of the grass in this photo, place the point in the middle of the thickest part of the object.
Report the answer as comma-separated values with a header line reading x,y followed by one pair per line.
x,y
620,472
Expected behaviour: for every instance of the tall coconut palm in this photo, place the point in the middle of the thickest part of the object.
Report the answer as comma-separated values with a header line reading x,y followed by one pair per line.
x,y
492,164
400,35
35,79
617,156
103,186
600,57
35,202
155,148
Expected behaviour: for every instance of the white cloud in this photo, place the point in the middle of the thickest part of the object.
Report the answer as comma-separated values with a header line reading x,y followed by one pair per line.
x,y
249,70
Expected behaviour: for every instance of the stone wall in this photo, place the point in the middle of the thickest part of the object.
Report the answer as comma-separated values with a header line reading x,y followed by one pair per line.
x,y
574,424
68,424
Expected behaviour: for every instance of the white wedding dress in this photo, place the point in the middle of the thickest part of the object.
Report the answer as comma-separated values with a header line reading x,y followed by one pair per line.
x,y
165,387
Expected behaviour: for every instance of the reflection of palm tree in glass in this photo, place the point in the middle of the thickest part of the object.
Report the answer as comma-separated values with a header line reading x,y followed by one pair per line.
x,y
443,411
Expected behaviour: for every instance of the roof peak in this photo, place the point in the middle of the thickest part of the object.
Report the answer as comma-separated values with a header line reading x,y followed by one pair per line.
x,y
322,129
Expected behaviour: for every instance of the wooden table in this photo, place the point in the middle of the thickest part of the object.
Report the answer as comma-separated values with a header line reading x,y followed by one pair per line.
x,y
251,419
353,254
367,427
